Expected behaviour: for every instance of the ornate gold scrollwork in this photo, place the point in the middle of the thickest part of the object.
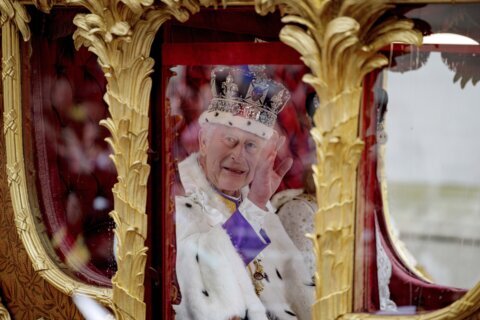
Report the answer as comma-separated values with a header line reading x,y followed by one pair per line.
x,y
340,42
14,11
44,5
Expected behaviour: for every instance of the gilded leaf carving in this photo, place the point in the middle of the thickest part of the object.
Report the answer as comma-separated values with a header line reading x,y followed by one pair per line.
x,y
13,10
44,5
339,41
121,33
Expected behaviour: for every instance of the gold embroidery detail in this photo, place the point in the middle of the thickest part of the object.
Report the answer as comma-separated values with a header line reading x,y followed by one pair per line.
x,y
231,205
257,276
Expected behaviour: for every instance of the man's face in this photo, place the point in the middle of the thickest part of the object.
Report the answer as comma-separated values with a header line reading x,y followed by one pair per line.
x,y
229,157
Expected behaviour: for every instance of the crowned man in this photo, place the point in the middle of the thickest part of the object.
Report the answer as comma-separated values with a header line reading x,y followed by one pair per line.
x,y
234,258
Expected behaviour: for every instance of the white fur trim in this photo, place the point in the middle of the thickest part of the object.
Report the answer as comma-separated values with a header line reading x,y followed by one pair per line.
x,y
213,280
220,270
229,120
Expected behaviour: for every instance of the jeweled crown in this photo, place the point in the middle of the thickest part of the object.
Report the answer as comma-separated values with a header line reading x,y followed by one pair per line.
x,y
245,97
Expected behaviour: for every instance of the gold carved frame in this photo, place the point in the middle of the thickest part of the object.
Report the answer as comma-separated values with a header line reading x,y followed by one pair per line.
x,y
337,41
4,315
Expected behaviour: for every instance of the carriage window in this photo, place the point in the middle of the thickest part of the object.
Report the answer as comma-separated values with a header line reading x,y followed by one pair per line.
x,y
242,188
72,174
418,181
431,163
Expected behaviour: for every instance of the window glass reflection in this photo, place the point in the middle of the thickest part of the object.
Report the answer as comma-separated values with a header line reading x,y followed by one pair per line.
x,y
431,165
73,172
235,259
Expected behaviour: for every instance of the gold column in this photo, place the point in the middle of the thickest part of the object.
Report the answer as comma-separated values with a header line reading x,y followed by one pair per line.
x,y
340,44
120,33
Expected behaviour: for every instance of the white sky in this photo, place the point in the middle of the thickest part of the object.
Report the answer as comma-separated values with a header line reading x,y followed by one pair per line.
x,y
433,127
